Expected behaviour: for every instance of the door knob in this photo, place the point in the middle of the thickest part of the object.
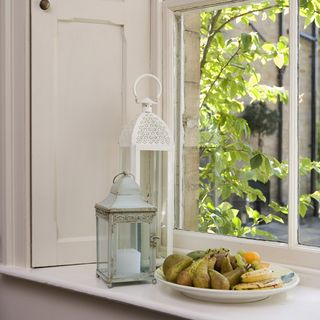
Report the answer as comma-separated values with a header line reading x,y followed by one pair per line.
x,y
44,4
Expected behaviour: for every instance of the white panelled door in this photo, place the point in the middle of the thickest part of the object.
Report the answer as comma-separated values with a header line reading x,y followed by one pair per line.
x,y
86,55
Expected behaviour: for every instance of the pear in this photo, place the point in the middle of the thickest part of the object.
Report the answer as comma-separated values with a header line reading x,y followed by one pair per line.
x,y
173,265
234,276
218,280
212,262
226,265
185,277
219,257
201,278
197,254
233,261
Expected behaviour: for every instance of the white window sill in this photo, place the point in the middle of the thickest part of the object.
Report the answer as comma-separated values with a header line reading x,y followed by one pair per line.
x,y
300,303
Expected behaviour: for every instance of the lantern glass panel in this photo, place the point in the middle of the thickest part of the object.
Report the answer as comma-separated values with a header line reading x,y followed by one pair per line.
x,y
132,245
102,245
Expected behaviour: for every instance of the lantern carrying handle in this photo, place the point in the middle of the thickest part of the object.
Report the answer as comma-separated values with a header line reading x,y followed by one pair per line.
x,y
124,173
147,101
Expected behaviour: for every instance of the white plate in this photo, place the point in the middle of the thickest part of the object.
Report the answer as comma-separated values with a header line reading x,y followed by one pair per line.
x,y
233,296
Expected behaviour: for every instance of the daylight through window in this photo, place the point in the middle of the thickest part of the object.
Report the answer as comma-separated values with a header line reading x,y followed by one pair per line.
x,y
232,121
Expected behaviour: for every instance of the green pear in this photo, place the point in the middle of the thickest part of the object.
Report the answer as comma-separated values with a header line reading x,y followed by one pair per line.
x,y
201,278
212,262
219,257
174,264
226,265
218,280
185,277
197,254
233,261
234,276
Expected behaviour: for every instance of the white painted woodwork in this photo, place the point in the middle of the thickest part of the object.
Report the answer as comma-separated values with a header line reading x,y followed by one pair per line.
x,y
185,5
14,132
293,203
297,304
85,58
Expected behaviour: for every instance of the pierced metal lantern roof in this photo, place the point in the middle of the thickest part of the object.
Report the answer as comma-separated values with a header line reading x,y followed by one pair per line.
x,y
148,131
124,197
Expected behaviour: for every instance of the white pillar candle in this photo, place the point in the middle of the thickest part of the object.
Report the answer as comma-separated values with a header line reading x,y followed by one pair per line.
x,y
128,261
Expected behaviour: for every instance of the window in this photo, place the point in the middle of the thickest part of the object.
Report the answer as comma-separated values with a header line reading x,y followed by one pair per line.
x,y
237,115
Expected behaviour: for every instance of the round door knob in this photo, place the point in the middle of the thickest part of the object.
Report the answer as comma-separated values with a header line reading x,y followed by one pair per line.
x,y
44,4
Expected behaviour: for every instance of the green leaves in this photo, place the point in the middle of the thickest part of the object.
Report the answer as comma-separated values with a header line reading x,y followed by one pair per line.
x,y
229,80
269,47
246,41
278,208
220,39
279,60
256,161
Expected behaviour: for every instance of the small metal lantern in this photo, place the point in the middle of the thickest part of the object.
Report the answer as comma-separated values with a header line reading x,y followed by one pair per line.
x,y
126,238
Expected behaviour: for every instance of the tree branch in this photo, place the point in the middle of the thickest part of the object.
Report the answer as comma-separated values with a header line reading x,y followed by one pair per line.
x,y
213,32
219,74
241,15
213,22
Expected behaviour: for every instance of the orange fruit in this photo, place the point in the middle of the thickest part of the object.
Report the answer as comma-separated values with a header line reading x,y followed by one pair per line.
x,y
251,257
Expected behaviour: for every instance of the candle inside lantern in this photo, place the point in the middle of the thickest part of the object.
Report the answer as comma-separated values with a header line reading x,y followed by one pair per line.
x,y
128,261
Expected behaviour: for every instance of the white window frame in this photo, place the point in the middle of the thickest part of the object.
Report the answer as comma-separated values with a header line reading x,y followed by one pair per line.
x,y
292,252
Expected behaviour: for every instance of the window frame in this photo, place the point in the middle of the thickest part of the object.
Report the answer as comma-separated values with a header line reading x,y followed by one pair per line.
x,y
287,253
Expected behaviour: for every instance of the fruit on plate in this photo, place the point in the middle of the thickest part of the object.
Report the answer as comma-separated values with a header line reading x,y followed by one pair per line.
x,y
234,276
254,258
212,262
260,285
226,265
197,254
201,278
219,254
218,280
257,275
185,277
174,264
219,269
261,265
251,256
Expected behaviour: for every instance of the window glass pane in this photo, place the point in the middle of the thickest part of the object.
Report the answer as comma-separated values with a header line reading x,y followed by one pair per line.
x,y
232,120
309,127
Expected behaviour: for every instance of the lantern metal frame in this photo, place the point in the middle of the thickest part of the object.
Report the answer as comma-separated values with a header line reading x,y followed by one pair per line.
x,y
141,212
148,132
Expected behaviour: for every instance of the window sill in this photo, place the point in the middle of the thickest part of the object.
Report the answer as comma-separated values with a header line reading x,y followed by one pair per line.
x,y
299,303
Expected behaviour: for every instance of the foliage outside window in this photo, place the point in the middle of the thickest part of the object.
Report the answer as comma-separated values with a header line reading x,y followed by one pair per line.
x,y
229,80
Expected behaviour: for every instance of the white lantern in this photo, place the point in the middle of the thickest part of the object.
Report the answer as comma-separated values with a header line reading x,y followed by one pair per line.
x,y
148,132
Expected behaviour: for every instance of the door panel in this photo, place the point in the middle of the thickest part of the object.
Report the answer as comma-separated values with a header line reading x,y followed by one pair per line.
x,y
84,55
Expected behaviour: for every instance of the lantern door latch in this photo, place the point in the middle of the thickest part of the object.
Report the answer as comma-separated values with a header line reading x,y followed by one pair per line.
x,y
153,240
